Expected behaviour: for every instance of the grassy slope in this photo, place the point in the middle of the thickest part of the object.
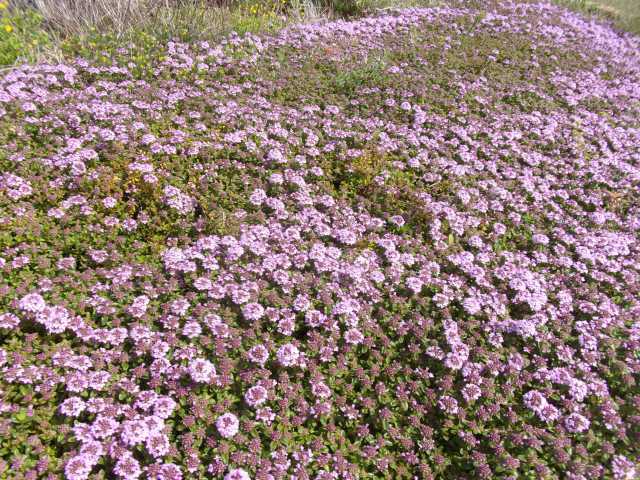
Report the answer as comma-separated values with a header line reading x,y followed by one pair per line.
x,y
626,8
625,13
31,35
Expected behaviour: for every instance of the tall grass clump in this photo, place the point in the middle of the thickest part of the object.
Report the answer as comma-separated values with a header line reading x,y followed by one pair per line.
x,y
195,17
78,16
99,28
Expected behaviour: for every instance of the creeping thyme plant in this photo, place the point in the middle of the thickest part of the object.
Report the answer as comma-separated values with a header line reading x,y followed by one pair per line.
x,y
400,247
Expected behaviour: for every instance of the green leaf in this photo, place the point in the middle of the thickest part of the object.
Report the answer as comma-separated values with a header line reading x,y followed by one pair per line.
x,y
21,416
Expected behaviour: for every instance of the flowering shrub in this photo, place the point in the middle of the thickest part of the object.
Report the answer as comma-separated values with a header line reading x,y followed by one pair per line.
x,y
21,33
233,264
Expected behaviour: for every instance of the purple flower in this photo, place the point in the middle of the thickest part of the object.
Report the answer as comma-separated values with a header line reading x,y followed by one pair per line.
x,y
237,474
164,406
127,467
540,239
16,187
32,302
134,432
576,423
549,413
78,468
258,197
66,263
320,390
203,283
353,336
139,306
72,406
414,284
104,426
448,404
397,220
253,311
623,468
178,200
258,354
227,425
471,392
92,451
301,303
265,415
499,229
201,370
9,321
55,319
98,256
314,318
170,471
534,400
157,445
471,305
180,307
255,396
109,202
288,355
192,329
276,156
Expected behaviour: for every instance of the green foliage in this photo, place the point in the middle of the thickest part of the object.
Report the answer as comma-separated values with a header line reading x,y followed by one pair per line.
x,y
21,34
346,8
105,47
27,31
188,22
349,81
198,20
323,78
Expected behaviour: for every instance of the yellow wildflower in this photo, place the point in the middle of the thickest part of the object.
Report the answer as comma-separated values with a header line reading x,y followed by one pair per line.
x,y
8,28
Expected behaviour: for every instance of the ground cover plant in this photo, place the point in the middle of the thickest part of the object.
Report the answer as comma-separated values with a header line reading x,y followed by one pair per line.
x,y
404,246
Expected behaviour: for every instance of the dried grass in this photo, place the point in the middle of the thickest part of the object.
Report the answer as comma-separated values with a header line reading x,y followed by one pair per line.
x,y
193,19
79,16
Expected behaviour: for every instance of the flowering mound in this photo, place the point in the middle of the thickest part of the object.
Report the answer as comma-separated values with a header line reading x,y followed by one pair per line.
x,y
401,247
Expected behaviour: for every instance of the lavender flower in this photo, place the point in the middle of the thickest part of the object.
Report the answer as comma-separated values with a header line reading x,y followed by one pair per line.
x,y
202,370
253,311
258,354
255,396
576,423
33,303
127,468
237,474
288,355
227,425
